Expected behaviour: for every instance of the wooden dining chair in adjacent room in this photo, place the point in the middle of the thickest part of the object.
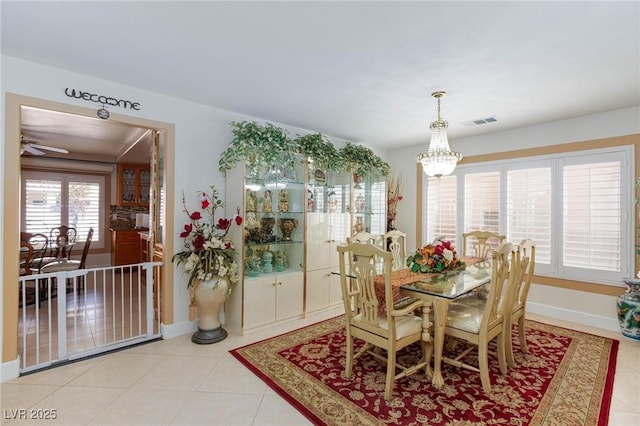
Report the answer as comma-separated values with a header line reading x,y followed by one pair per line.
x,y
522,273
71,264
390,331
26,257
477,321
396,243
62,239
40,244
480,243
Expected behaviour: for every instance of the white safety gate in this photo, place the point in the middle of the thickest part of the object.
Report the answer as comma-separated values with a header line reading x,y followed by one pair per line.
x,y
71,315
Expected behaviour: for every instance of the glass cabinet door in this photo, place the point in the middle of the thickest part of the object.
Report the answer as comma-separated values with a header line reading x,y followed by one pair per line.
x,y
369,204
275,203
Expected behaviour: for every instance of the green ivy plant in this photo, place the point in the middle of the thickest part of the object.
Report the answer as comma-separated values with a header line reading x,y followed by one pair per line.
x,y
257,144
321,151
362,161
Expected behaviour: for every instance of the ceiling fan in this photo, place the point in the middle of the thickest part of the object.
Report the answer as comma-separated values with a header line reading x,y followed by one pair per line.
x,y
37,149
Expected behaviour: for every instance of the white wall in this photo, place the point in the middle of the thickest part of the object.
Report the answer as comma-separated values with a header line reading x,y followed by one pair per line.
x,y
202,133
545,300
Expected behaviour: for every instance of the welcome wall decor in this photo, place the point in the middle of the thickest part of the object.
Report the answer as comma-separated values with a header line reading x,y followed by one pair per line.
x,y
101,99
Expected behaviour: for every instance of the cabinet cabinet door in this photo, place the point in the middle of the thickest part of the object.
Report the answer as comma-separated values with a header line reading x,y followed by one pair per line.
x,y
335,290
318,289
259,301
134,184
289,295
318,241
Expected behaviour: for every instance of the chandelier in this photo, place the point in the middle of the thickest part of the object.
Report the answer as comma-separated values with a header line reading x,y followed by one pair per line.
x,y
439,160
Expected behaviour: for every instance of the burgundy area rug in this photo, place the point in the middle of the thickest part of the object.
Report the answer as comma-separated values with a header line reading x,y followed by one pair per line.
x,y
566,379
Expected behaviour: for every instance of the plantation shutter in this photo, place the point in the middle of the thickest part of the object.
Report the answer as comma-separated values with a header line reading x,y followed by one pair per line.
x,y
528,210
592,216
43,205
53,199
84,208
441,208
482,202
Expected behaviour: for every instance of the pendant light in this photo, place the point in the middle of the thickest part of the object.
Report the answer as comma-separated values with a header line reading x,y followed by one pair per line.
x,y
439,160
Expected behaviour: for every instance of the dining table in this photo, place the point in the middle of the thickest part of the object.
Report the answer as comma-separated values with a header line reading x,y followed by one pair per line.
x,y
439,289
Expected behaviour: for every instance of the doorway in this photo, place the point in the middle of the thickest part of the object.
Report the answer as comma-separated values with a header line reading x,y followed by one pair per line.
x,y
14,104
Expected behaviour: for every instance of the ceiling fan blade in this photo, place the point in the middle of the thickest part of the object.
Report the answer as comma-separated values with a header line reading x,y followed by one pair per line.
x,y
32,150
49,148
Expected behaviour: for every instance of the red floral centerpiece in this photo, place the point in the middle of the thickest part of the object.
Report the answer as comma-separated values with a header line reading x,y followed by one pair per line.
x,y
435,257
207,253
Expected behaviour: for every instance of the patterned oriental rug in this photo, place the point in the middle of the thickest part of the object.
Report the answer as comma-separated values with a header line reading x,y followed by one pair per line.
x,y
567,379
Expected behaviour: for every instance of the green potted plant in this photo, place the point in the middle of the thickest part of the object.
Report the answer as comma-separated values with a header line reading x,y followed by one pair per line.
x,y
363,161
321,151
258,144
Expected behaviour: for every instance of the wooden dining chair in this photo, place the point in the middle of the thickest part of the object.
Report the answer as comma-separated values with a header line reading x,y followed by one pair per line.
x,y
62,239
517,299
396,243
391,331
480,243
477,321
40,244
71,264
364,237
26,256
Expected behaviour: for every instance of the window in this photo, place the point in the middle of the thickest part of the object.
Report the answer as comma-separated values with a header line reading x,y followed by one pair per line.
x,y
576,207
52,199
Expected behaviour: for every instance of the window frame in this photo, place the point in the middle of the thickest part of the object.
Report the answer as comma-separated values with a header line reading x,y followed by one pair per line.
x,y
98,242
624,153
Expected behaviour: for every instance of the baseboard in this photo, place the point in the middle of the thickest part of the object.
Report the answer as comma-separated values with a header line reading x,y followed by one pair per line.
x,y
10,370
174,330
605,323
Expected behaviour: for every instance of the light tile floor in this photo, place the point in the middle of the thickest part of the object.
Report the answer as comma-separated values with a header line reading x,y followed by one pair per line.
x,y
176,382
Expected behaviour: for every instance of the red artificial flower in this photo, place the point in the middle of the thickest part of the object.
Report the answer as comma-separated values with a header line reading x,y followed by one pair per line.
x,y
205,204
227,245
238,220
187,230
195,216
223,223
198,243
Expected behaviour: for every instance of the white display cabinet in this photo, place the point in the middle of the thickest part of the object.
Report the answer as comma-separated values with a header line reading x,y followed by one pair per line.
x,y
270,244
328,225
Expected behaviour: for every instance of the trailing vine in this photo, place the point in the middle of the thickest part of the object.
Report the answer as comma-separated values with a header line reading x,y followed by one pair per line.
x,y
363,161
321,151
257,144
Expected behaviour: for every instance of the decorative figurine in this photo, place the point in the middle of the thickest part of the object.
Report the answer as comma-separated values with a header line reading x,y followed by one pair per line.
x,y
266,202
360,203
252,201
281,261
251,207
311,204
287,226
267,262
284,201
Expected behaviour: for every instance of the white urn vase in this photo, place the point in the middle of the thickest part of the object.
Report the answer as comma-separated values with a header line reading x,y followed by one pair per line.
x,y
210,297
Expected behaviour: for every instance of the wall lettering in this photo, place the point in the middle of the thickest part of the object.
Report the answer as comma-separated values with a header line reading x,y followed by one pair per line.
x,y
100,99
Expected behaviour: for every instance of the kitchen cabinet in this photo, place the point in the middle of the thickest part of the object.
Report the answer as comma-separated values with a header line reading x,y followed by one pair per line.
x,y
269,244
134,185
125,247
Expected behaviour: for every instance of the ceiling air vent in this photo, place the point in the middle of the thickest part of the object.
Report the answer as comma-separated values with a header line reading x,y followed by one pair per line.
x,y
479,121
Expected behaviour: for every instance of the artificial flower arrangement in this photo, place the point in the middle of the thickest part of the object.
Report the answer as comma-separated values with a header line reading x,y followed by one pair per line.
x,y
435,257
207,254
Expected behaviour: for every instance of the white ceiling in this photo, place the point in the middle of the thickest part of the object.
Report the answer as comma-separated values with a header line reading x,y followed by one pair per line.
x,y
362,71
